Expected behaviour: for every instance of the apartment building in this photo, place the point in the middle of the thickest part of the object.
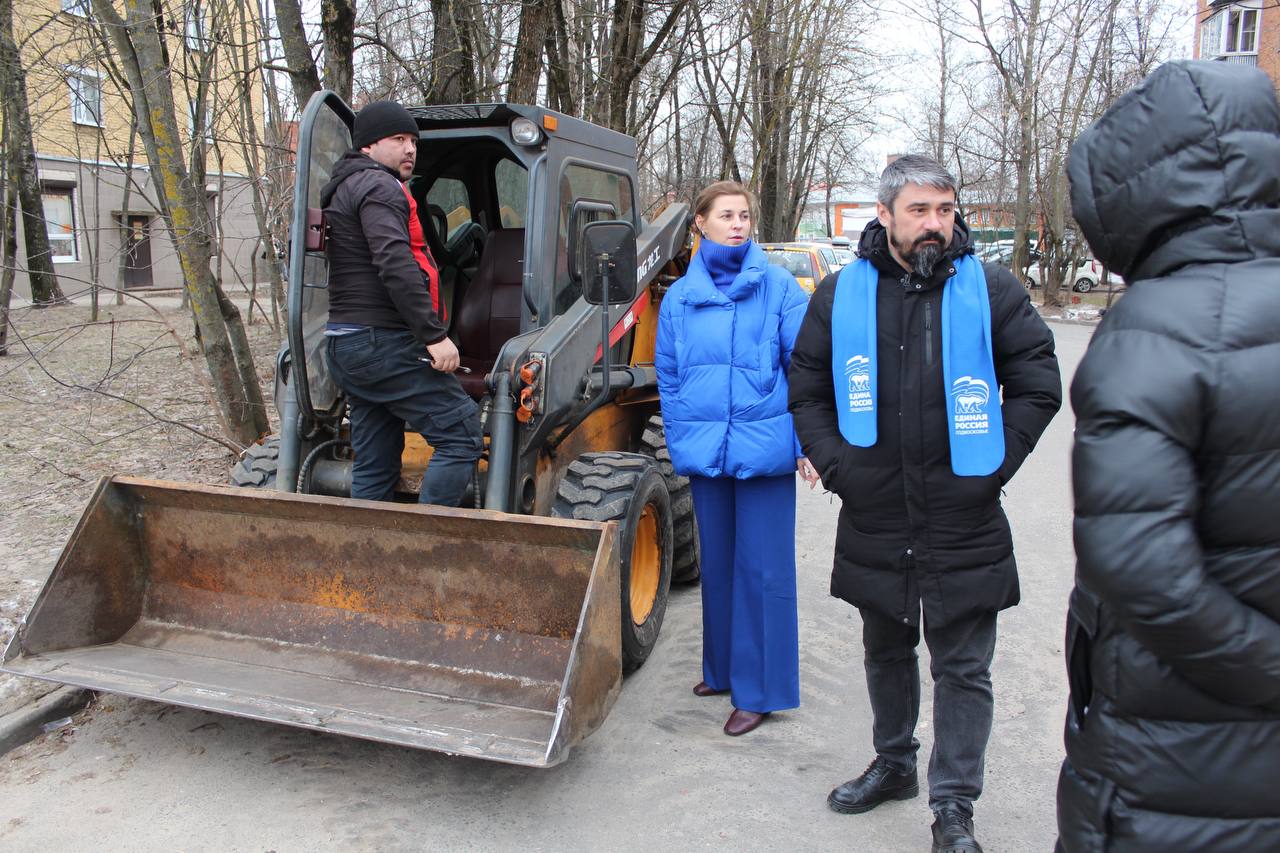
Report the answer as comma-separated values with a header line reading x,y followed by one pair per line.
x,y
98,190
1245,32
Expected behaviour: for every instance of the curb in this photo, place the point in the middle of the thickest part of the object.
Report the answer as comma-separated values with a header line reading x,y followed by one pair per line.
x,y
23,725
1068,321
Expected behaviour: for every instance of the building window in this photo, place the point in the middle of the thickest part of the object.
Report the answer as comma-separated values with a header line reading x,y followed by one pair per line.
x,y
196,30
192,111
79,8
1231,31
1242,31
86,97
59,217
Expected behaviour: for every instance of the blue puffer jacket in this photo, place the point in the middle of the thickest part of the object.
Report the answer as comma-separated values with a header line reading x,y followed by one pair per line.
x,y
722,354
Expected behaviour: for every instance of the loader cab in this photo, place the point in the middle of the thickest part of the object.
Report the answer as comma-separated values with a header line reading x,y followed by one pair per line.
x,y
502,194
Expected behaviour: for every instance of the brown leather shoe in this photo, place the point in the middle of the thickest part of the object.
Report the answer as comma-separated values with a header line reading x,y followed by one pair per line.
x,y
740,722
704,689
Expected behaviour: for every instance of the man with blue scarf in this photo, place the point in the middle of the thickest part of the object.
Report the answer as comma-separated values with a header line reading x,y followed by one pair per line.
x,y
919,383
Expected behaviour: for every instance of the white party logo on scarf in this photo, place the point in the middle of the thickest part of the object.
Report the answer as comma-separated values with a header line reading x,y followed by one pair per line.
x,y
858,371
971,397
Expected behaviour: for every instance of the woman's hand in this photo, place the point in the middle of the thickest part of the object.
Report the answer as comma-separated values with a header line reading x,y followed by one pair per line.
x,y
808,472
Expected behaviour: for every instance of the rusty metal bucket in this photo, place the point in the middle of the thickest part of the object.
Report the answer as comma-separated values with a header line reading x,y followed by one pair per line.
x,y
464,631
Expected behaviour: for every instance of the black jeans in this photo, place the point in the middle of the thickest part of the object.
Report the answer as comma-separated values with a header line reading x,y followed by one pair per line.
x,y
960,662
387,387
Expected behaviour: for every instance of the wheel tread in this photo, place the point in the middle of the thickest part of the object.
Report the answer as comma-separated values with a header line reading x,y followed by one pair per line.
x,y
687,560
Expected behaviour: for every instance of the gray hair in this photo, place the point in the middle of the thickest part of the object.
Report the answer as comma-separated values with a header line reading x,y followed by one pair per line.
x,y
912,169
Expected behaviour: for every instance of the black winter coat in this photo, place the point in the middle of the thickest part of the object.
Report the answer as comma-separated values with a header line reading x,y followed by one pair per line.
x,y
1173,636
910,530
374,279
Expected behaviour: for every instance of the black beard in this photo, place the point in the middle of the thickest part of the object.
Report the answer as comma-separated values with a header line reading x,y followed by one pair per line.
x,y
923,258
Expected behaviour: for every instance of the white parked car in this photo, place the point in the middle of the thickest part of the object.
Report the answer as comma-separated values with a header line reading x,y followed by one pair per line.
x,y
1085,277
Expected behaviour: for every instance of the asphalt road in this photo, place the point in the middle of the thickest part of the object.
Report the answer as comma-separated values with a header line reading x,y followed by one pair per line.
x,y
659,775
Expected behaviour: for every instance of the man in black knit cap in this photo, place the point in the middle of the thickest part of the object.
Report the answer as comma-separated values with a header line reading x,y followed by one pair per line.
x,y
387,344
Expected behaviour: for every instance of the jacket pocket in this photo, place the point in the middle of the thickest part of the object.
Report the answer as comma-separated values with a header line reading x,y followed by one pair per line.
x,y
765,375
1082,628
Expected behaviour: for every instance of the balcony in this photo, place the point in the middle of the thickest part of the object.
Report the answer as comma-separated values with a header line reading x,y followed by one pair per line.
x,y
1238,58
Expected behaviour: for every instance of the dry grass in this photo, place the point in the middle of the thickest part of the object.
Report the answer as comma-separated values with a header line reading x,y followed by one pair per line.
x,y
66,423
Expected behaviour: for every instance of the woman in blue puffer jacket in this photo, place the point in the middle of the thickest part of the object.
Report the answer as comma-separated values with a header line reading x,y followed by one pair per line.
x,y
725,333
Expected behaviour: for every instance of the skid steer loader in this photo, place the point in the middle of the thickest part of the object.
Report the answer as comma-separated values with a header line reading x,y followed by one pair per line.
x,y
499,630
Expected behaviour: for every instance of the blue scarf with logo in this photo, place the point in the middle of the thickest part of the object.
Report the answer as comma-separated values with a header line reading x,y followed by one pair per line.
x,y
974,424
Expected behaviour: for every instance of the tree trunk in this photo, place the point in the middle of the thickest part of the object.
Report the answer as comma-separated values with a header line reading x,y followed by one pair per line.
x,y
338,27
771,122
561,94
1026,142
251,149
297,52
944,79
35,232
238,396
9,252
826,206
453,78
526,64
126,198
279,189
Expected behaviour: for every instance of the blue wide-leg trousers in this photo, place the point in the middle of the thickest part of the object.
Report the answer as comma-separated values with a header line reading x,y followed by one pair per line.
x,y
750,632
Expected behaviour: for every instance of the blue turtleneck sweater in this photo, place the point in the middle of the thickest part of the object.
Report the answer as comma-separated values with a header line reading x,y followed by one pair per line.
x,y
723,262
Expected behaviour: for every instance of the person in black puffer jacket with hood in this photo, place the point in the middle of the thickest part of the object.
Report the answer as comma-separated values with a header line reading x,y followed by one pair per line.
x,y
1173,635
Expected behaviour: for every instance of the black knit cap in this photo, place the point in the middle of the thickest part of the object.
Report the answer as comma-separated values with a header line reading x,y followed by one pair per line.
x,y
379,120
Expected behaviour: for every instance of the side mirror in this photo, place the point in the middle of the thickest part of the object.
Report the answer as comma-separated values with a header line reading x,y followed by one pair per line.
x,y
609,262
584,210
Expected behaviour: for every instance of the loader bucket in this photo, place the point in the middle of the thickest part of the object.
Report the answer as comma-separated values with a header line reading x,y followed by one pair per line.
x,y
464,631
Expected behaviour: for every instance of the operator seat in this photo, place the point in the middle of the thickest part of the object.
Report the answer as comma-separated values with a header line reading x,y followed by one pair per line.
x,y
489,314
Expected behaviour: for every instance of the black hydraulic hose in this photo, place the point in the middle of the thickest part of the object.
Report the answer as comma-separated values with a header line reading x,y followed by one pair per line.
x,y
304,472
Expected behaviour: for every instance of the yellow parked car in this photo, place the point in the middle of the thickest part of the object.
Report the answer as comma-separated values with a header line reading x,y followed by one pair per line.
x,y
802,260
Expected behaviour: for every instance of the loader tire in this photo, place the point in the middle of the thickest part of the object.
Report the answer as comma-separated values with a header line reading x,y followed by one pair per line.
x,y
628,488
257,468
686,561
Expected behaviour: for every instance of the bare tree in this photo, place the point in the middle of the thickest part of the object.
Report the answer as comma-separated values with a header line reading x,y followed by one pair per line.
x,y
781,88
144,57
530,48
1015,42
22,167
300,63
9,235
1088,34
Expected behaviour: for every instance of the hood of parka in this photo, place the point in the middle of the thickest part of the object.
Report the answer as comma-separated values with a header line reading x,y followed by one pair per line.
x,y
874,246
1182,169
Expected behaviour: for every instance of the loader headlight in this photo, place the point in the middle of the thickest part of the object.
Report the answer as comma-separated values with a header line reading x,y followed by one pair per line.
x,y
525,132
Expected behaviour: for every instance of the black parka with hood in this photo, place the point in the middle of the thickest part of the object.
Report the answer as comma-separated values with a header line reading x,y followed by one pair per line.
x,y
912,535
1173,636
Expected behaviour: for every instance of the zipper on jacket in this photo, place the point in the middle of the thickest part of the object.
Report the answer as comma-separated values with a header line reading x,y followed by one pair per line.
x,y
928,332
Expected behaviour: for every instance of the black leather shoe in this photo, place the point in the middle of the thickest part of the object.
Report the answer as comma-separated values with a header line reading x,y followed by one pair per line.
x,y
953,833
704,689
878,784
